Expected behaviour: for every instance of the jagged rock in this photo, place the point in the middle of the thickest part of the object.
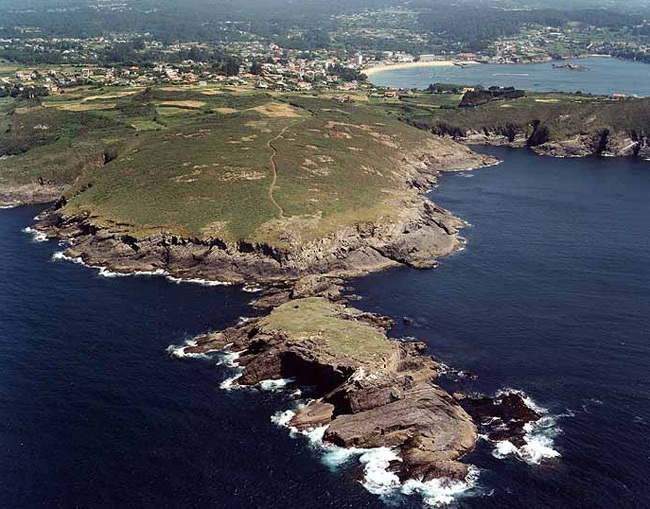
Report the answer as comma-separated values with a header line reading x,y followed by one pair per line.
x,y
503,417
271,298
429,427
317,286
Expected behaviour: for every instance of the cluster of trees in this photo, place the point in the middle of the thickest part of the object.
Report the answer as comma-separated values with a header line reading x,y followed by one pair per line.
x,y
24,92
630,54
483,96
477,26
135,52
444,88
347,73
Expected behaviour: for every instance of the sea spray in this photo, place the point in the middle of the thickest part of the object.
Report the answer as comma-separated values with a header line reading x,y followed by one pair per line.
x,y
377,476
275,385
107,273
197,281
36,235
539,435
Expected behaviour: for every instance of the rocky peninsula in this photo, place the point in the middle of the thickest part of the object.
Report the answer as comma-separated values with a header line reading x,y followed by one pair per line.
x,y
293,194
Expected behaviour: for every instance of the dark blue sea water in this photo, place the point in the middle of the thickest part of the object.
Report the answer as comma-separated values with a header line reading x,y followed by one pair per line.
x,y
552,296
603,76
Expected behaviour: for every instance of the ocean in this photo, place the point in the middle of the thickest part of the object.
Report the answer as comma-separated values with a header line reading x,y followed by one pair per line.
x,y
602,76
551,296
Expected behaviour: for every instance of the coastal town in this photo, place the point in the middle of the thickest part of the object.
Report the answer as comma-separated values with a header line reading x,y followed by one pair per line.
x,y
33,64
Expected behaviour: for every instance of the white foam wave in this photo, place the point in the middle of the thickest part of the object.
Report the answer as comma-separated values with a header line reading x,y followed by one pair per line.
x,y
252,288
378,479
7,207
37,236
104,272
527,399
179,351
283,418
230,383
539,437
275,385
229,359
60,255
440,492
197,281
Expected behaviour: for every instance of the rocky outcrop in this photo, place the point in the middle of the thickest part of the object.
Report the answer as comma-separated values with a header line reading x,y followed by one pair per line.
x,y
366,399
30,194
381,393
503,417
428,428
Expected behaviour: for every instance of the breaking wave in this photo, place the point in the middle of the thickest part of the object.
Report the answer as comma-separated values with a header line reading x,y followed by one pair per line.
x,y
197,281
440,492
60,255
231,383
540,435
37,236
104,272
275,385
179,351
376,462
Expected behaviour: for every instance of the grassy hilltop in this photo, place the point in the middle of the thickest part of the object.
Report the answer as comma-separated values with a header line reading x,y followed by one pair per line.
x,y
245,165
212,162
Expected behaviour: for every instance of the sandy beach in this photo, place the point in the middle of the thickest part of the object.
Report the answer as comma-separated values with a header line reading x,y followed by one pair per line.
x,y
410,65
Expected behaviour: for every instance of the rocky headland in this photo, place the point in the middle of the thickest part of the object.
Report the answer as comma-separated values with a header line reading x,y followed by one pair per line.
x,y
371,391
416,236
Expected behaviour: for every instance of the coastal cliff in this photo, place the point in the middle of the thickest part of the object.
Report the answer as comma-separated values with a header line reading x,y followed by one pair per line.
x,y
603,142
557,125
